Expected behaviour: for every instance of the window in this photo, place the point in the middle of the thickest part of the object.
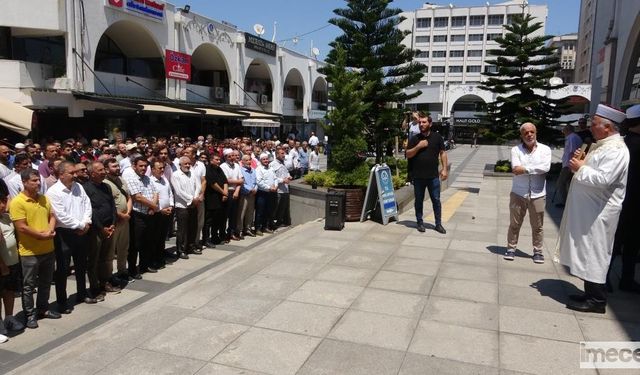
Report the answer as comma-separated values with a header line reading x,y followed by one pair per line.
x,y
422,54
456,53
491,69
495,19
441,22
510,18
474,53
439,54
457,38
473,69
455,69
493,36
437,69
422,39
475,37
439,38
458,21
476,20
423,23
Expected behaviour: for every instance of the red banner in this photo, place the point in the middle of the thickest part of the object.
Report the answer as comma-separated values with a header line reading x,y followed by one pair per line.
x,y
178,65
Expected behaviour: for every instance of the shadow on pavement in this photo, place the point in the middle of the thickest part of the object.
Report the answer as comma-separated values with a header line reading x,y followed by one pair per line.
x,y
500,250
558,290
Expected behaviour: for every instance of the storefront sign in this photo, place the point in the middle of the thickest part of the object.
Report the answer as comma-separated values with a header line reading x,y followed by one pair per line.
x,y
258,44
316,114
178,65
150,8
467,121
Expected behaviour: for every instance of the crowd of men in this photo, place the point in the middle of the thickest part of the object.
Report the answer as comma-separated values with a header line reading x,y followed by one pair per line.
x,y
73,207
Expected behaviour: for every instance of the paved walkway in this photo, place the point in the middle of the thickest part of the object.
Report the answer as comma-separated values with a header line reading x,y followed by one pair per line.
x,y
370,299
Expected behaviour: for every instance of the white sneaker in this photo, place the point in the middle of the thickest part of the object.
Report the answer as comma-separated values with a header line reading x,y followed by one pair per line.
x,y
3,338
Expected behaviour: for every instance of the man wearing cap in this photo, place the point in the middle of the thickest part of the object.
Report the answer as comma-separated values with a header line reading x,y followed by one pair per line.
x,y
572,142
593,205
627,242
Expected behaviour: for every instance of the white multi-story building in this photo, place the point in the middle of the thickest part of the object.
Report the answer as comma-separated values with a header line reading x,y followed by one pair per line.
x,y
453,43
103,67
565,46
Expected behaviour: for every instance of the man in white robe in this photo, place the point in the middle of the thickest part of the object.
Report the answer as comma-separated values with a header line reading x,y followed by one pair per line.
x,y
592,209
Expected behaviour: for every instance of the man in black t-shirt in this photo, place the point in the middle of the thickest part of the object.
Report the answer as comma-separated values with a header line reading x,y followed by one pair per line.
x,y
424,151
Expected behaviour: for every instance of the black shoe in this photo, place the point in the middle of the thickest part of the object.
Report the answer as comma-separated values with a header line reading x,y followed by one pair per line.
x,y
196,251
210,245
421,228
631,287
137,276
578,297
149,270
66,309
183,256
440,229
88,300
588,306
49,314
249,233
32,322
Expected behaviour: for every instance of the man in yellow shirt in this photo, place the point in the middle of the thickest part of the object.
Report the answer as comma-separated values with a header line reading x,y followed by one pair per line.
x,y
35,225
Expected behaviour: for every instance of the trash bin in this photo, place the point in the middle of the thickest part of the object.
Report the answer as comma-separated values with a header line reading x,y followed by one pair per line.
x,y
334,210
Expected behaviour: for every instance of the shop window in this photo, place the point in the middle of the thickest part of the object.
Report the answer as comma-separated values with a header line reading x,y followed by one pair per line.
x,y
42,50
111,59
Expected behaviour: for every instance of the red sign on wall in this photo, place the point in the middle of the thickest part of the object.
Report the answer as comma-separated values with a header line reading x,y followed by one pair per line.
x,y
178,65
116,3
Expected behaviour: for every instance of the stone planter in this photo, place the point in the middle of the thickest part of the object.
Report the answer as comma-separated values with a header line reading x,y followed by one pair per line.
x,y
354,201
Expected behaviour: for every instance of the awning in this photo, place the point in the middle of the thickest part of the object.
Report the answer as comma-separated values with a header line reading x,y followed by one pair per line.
x,y
15,117
221,113
170,109
260,123
262,115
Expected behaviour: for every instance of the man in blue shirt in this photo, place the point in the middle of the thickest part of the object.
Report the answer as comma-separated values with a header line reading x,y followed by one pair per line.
x,y
247,197
303,156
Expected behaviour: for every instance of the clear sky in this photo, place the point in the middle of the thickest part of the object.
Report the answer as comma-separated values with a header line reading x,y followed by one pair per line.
x,y
299,17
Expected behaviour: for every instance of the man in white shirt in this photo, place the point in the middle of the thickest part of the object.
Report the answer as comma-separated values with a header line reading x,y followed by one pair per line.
x,y
233,172
13,180
199,170
187,197
163,216
530,162
72,209
313,140
282,214
266,197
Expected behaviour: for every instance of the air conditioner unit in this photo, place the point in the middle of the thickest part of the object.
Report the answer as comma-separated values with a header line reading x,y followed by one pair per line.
x,y
264,99
218,92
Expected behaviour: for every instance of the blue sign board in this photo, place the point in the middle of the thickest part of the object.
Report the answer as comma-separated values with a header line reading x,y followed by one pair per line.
x,y
380,194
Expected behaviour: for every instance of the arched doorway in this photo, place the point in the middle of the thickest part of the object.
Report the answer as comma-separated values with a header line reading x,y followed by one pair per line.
x,y
128,49
209,76
319,94
466,118
293,104
258,86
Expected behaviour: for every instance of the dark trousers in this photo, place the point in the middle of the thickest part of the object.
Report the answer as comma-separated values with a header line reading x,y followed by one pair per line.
x,y
265,203
97,269
143,233
232,215
162,223
69,244
187,229
282,214
214,225
433,186
37,270
595,292
626,244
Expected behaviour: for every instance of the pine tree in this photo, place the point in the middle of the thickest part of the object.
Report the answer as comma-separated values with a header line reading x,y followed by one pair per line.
x,y
374,49
524,64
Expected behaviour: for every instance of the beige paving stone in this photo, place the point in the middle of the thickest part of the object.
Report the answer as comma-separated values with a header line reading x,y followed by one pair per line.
x,y
216,369
390,238
312,254
466,289
411,265
420,253
391,303
195,338
291,269
346,275
385,331
143,362
358,259
237,308
545,324
416,364
268,351
346,358
521,278
371,247
326,293
524,353
462,313
471,245
268,286
402,282
596,328
467,257
444,341
469,272
553,300
302,318
426,242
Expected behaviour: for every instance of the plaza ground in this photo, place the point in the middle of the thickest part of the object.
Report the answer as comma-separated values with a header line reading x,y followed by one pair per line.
x,y
370,299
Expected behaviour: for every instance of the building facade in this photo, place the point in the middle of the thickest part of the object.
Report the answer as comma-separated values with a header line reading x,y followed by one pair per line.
x,y
615,59
147,66
565,46
585,40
